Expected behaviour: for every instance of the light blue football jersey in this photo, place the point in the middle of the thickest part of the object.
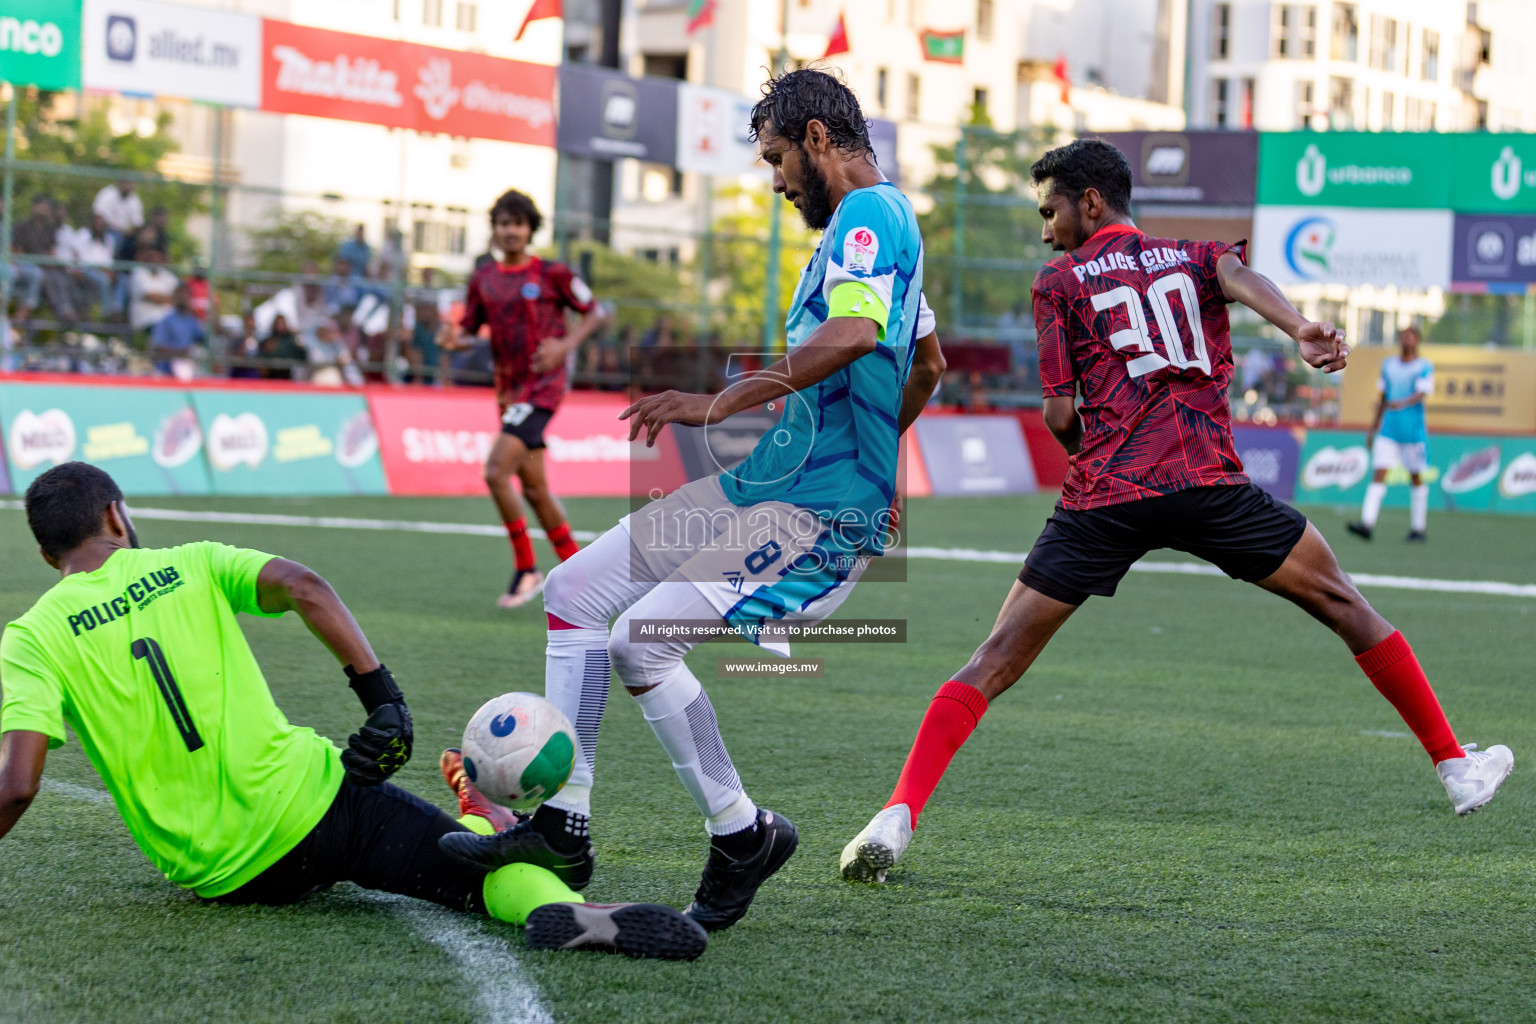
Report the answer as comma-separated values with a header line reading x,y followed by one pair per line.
x,y
834,448
1400,380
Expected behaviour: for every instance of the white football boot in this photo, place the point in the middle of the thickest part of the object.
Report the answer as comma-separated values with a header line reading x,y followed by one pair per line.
x,y
1471,781
870,854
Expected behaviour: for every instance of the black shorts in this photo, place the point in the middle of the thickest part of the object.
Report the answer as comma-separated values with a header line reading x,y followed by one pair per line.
x,y
380,837
526,423
1239,528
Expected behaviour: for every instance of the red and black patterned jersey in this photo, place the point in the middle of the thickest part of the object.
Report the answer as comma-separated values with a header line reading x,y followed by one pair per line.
x,y
524,305
1138,326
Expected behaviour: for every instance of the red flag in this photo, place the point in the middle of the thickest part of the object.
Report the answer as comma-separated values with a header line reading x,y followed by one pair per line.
x,y
1060,71
839,41
540,10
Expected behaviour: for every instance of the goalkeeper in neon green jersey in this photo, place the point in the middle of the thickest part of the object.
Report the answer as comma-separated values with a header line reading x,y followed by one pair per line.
x,y
138,650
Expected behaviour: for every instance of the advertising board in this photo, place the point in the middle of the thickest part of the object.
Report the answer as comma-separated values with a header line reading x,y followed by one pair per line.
x,y
286,442
145,48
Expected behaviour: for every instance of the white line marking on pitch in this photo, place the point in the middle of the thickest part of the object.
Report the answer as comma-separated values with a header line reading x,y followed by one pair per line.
x,y
506,995
69,789
931,554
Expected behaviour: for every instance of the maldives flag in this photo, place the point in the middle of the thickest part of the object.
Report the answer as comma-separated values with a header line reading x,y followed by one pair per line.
x,y
701,13
540,10
944,47
839,41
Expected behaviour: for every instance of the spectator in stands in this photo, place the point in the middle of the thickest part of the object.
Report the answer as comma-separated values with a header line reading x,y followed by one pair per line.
x,y
342,293
426,357
174,335
391,256
38,236
121,209
245,350
152,286
330,361
1257,365
89,250
283,353
662,335
356,252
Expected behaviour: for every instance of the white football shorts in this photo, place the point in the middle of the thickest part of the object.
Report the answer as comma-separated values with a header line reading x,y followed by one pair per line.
x,y
1389,454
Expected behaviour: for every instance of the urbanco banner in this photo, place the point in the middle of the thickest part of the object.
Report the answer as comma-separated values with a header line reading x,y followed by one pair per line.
x,y
1400,170
145,48
1340,245
405,85
40,43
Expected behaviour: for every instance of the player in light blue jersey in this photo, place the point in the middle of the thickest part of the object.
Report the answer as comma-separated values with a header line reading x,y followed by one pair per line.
x,y
1398,437
781,537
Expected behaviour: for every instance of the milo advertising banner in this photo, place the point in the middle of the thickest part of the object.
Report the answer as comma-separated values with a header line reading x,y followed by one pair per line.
x,y
147,438
1465,472
289,443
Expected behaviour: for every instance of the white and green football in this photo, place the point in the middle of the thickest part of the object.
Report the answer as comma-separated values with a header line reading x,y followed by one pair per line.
x,y
519,749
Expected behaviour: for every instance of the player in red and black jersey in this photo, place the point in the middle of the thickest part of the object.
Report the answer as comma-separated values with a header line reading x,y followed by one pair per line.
x,y
1137,327
524,300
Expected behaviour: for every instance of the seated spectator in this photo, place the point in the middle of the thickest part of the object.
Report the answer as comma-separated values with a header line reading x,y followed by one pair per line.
x,y
425,356
120,209
245,350
391,256
38,236
329,358
173,336
356,252
282,352
153,235
151,288
89,250
342,293
661,335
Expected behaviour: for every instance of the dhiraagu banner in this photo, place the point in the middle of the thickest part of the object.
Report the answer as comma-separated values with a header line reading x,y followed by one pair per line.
x,y
147,438
289,443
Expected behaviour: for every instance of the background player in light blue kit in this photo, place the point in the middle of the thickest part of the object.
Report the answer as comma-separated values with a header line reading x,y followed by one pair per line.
x,y
782,537
1398,436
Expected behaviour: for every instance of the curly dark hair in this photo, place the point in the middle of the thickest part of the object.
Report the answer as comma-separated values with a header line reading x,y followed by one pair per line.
x,y
1083,164
519,207
794,98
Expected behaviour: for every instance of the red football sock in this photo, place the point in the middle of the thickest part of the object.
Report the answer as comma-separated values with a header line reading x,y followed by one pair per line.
x,y
522,545
560,537
1396,673
954,713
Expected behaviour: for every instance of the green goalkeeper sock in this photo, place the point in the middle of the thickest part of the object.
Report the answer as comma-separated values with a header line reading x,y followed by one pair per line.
x,y
478,825
511,893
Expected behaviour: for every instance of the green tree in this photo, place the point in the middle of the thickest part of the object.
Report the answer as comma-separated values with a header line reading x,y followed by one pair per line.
x,y
638,288
739,263
1001,233
290,239
88,141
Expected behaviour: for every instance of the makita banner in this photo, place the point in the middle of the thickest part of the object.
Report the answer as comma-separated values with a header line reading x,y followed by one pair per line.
x,y
404,85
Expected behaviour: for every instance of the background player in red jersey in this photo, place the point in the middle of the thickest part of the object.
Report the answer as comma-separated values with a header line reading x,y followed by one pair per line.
x,y
524,299
1138,327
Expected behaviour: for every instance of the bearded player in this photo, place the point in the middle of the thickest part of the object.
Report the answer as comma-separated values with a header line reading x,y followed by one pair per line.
x,y
138,650
782,537
1138,327
524,300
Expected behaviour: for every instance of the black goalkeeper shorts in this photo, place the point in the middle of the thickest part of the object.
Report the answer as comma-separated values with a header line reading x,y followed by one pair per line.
x,y
380,837
526,423
1239,528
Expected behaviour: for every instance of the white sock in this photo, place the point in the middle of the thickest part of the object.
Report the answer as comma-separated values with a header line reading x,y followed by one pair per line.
x,y
683,719
1370,511
1418,507
576,681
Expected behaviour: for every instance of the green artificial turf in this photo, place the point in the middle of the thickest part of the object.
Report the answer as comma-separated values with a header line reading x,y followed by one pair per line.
x,y
1194,807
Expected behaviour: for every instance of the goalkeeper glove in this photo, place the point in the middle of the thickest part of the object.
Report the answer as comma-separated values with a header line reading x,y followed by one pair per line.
x,y
383,744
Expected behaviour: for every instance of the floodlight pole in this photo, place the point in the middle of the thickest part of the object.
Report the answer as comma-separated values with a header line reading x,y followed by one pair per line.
x,y
9,193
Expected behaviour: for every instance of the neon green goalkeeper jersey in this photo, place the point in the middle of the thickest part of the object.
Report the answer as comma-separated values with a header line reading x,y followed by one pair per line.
x,y
143,658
